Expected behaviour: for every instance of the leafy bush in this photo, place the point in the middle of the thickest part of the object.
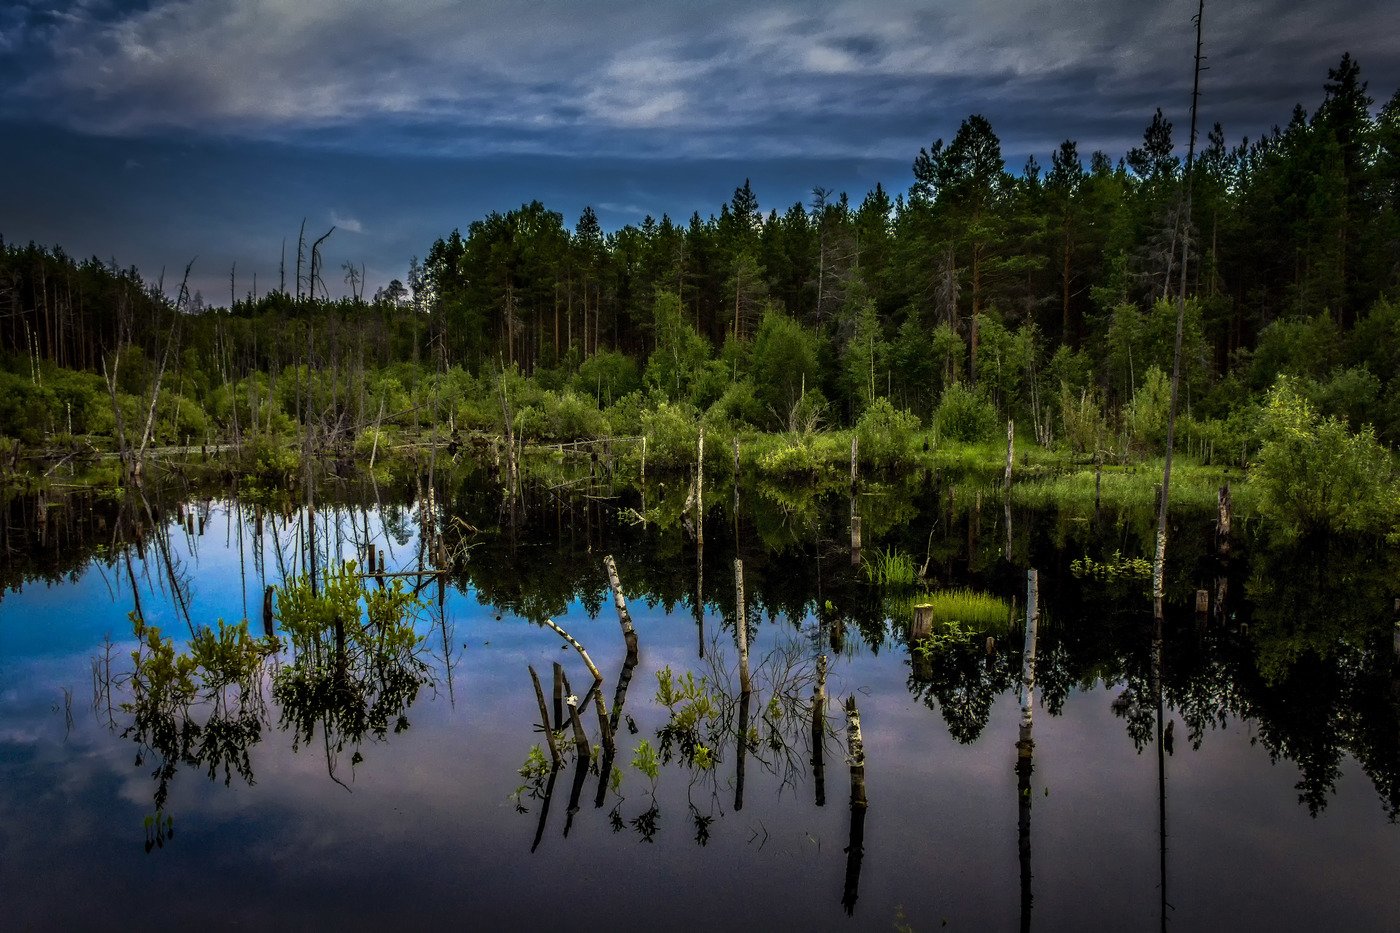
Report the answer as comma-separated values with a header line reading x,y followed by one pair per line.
x,y
1082,419
671,433
607,375
738,405
1145,417
884,433
964,416
1315,475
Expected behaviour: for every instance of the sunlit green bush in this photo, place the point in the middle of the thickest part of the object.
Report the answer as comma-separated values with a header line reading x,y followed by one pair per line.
x,y
964,416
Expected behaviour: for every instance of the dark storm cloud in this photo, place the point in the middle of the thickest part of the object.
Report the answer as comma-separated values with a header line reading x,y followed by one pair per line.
x,y
661,78
164,128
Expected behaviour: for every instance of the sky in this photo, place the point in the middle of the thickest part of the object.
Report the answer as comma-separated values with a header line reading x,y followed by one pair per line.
x,y
160,132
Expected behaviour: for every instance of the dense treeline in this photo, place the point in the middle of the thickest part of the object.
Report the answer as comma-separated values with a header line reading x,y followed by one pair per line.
x,y
1042,294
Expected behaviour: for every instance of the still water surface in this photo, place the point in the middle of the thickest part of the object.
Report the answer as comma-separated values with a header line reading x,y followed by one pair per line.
x,y
1277,794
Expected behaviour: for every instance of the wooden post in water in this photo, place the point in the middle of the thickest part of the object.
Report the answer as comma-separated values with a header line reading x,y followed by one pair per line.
x,y
922,626
1028,656
856,746
855,454
919,661
580,737
1202,604
554,755
624,618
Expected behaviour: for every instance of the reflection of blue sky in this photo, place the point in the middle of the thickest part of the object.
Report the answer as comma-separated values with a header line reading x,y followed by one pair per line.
x,y
429,836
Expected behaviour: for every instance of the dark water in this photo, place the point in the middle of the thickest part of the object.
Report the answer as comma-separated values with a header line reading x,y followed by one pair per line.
x,y
1273,808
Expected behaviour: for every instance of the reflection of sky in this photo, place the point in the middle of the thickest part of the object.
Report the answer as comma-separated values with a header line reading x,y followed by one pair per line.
x,y
428,833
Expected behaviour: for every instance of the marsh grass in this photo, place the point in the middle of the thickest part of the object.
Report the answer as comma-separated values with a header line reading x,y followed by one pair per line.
x,y
890,569
1194,489
968,608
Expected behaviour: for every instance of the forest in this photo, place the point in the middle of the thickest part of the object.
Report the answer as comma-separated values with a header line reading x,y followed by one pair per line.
x,y
1044,295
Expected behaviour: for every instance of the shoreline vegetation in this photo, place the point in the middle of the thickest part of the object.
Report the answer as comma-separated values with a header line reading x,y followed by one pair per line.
x,y
984,322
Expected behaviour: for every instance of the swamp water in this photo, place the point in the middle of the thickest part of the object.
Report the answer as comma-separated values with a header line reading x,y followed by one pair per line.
x,y
1241,769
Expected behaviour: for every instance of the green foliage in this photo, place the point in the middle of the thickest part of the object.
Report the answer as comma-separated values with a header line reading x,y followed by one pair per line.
x,y
1315,475
1081,420
1145,418
606,376
977,612
560,416
644,759
1114,568
693,730
949,635
672,434
784,365
964,416
356,671
885,433
890,569
680,353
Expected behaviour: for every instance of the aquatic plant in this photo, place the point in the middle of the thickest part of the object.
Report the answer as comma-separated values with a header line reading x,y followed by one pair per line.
x,y
976,611
891,569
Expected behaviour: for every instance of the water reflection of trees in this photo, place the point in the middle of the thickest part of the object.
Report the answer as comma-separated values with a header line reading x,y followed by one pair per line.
x,y
1304,652
350,675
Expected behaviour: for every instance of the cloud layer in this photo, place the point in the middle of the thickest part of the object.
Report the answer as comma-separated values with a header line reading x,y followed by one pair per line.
x,y
668,78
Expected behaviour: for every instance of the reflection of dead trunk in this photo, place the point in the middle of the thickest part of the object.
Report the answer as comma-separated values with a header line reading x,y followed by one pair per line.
x,y
268,626
544,809
819,731
1024,766
559,694
1157,688
700,597
855,533
741,632
700,490
741,747
741,627
580,774
1222,553
587,661
554,755
855,846
1025,747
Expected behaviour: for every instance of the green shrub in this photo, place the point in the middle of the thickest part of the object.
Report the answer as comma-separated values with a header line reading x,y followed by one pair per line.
x,y
885,433
964,416
1145,417
1316,475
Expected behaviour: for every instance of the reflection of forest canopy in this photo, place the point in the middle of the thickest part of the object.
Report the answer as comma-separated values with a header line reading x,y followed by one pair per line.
x,y
1305,655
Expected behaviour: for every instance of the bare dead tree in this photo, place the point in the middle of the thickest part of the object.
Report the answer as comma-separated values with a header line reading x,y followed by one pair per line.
x,y
1159,563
